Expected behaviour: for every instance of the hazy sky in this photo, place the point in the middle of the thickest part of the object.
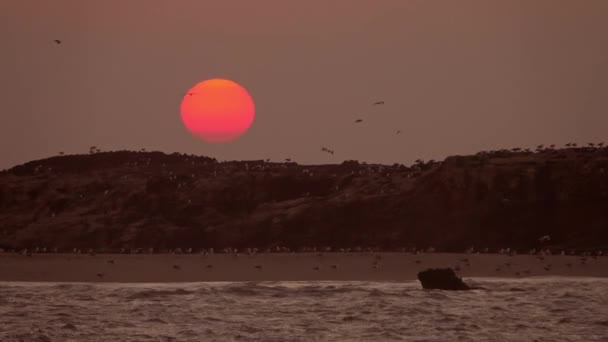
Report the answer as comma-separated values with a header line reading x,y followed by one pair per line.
x,y
457,76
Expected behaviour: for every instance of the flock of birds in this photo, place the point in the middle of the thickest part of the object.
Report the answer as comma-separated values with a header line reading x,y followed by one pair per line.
x,y
381,103
508,268
357,121
323,149
465,261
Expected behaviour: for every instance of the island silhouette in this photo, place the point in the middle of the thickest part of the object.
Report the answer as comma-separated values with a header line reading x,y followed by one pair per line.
x,y
141,201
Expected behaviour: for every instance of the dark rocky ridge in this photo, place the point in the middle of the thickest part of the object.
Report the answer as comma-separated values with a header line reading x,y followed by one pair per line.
x,y
110,200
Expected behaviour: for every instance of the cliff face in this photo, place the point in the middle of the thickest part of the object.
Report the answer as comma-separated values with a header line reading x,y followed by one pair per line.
x,y
139,200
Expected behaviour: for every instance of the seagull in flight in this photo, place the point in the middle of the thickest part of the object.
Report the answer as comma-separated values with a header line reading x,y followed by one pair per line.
x,y
325,149
545,238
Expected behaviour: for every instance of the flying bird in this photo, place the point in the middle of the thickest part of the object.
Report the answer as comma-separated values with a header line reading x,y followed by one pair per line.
x,y
57,41
358,120
325,149
378,103
545,238
398,132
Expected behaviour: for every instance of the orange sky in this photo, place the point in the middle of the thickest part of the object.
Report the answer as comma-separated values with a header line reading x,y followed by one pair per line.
x,y
456,76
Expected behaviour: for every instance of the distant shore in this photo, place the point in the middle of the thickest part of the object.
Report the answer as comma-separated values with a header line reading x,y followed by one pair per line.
x,y
161,268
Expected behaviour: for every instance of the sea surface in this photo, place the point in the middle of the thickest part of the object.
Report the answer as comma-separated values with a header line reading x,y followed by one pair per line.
x,y
534,309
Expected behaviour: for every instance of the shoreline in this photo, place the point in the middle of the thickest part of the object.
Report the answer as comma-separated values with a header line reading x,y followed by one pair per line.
x,y
292,282
364,266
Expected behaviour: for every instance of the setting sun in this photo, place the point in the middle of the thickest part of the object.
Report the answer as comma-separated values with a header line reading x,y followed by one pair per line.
x,y
217,110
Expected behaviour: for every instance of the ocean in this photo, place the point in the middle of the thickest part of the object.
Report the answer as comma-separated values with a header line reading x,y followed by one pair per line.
x,y
530,309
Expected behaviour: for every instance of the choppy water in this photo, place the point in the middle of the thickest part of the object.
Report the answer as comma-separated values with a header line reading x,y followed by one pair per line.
x,y
547,309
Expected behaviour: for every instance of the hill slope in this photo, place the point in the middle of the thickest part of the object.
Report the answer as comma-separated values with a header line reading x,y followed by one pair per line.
x,y
127,199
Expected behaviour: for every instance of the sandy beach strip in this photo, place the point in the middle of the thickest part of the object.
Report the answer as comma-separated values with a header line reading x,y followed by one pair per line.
x,y
156,268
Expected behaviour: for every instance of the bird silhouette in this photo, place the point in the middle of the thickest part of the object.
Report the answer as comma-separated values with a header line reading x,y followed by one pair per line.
x,y
358,120
377,103
325,149
544,238
57,41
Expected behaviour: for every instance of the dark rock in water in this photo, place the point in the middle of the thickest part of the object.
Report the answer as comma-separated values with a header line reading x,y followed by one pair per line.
x,y
441,279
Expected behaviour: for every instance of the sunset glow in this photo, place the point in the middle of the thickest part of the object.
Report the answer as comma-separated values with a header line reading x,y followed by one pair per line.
x,y
217,110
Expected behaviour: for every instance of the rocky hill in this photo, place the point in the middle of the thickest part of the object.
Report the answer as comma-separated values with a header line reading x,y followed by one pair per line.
x,y
496,199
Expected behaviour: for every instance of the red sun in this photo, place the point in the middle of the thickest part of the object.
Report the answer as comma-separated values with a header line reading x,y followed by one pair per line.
x,y
217,110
